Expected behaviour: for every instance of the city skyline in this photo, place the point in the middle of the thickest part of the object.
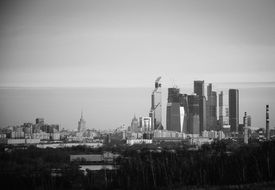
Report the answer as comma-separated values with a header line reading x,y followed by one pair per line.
x,y
57,57
145,114
143,94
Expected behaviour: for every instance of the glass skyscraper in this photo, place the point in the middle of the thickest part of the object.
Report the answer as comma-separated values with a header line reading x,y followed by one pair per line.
x,y
176,113
234,109
156,109
211,109
193,115
199,90
223,110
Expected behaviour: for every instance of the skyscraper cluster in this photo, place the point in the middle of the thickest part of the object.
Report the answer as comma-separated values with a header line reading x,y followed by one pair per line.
x,y
195,113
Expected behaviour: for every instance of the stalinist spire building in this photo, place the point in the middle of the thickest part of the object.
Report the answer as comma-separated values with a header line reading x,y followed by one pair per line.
x,y
81,124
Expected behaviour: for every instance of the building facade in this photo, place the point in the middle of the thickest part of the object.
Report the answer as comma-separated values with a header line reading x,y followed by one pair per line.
x,y
156,108
233,109
145,124
175,113
199,90
193,115
223,110
211,109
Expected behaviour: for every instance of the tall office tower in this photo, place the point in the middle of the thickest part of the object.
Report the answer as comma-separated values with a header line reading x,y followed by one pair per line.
x,y
211,109
175,111
184,104
193,115
199,87
81,124
223,110
199,90
156,110
234,110
267,123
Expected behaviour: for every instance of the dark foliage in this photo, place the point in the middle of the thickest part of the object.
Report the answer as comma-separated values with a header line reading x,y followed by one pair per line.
x,y
223,165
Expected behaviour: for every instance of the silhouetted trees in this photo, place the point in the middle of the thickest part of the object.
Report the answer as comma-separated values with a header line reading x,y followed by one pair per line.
x,y
167,166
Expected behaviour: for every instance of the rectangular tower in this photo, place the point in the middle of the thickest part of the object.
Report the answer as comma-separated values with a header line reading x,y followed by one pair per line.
x,y
234,110
175,111
199,87
193,115
199,90
211,109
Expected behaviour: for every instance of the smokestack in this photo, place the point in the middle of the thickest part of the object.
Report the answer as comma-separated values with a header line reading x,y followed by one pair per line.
x,y
245,128
267,123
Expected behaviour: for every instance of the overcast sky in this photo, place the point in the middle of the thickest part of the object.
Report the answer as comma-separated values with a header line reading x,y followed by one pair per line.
x,y
129,43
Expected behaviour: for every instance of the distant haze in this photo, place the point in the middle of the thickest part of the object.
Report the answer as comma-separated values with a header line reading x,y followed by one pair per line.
x,y
109,108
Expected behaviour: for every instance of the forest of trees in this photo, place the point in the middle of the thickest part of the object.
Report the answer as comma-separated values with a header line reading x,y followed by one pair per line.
x,y
221,164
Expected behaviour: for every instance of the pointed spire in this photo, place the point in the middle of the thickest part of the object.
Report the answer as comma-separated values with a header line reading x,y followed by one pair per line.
x,y
81,113
135,118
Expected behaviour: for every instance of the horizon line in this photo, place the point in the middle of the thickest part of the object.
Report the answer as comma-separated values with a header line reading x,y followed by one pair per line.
x,y
125,86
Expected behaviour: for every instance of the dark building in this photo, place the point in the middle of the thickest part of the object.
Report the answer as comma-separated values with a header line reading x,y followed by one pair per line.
x,y
173,95
175,113
199,87
211,109
39,121
233,109
199,90
193,114
50,128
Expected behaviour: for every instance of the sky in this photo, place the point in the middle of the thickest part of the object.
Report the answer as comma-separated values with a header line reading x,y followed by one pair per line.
x,y
68,43
118,44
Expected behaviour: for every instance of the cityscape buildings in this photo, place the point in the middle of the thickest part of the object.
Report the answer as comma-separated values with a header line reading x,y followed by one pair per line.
x,y
234,110
39,121
183,122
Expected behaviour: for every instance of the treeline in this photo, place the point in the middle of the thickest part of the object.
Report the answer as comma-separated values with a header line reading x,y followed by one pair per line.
x,y
221,164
